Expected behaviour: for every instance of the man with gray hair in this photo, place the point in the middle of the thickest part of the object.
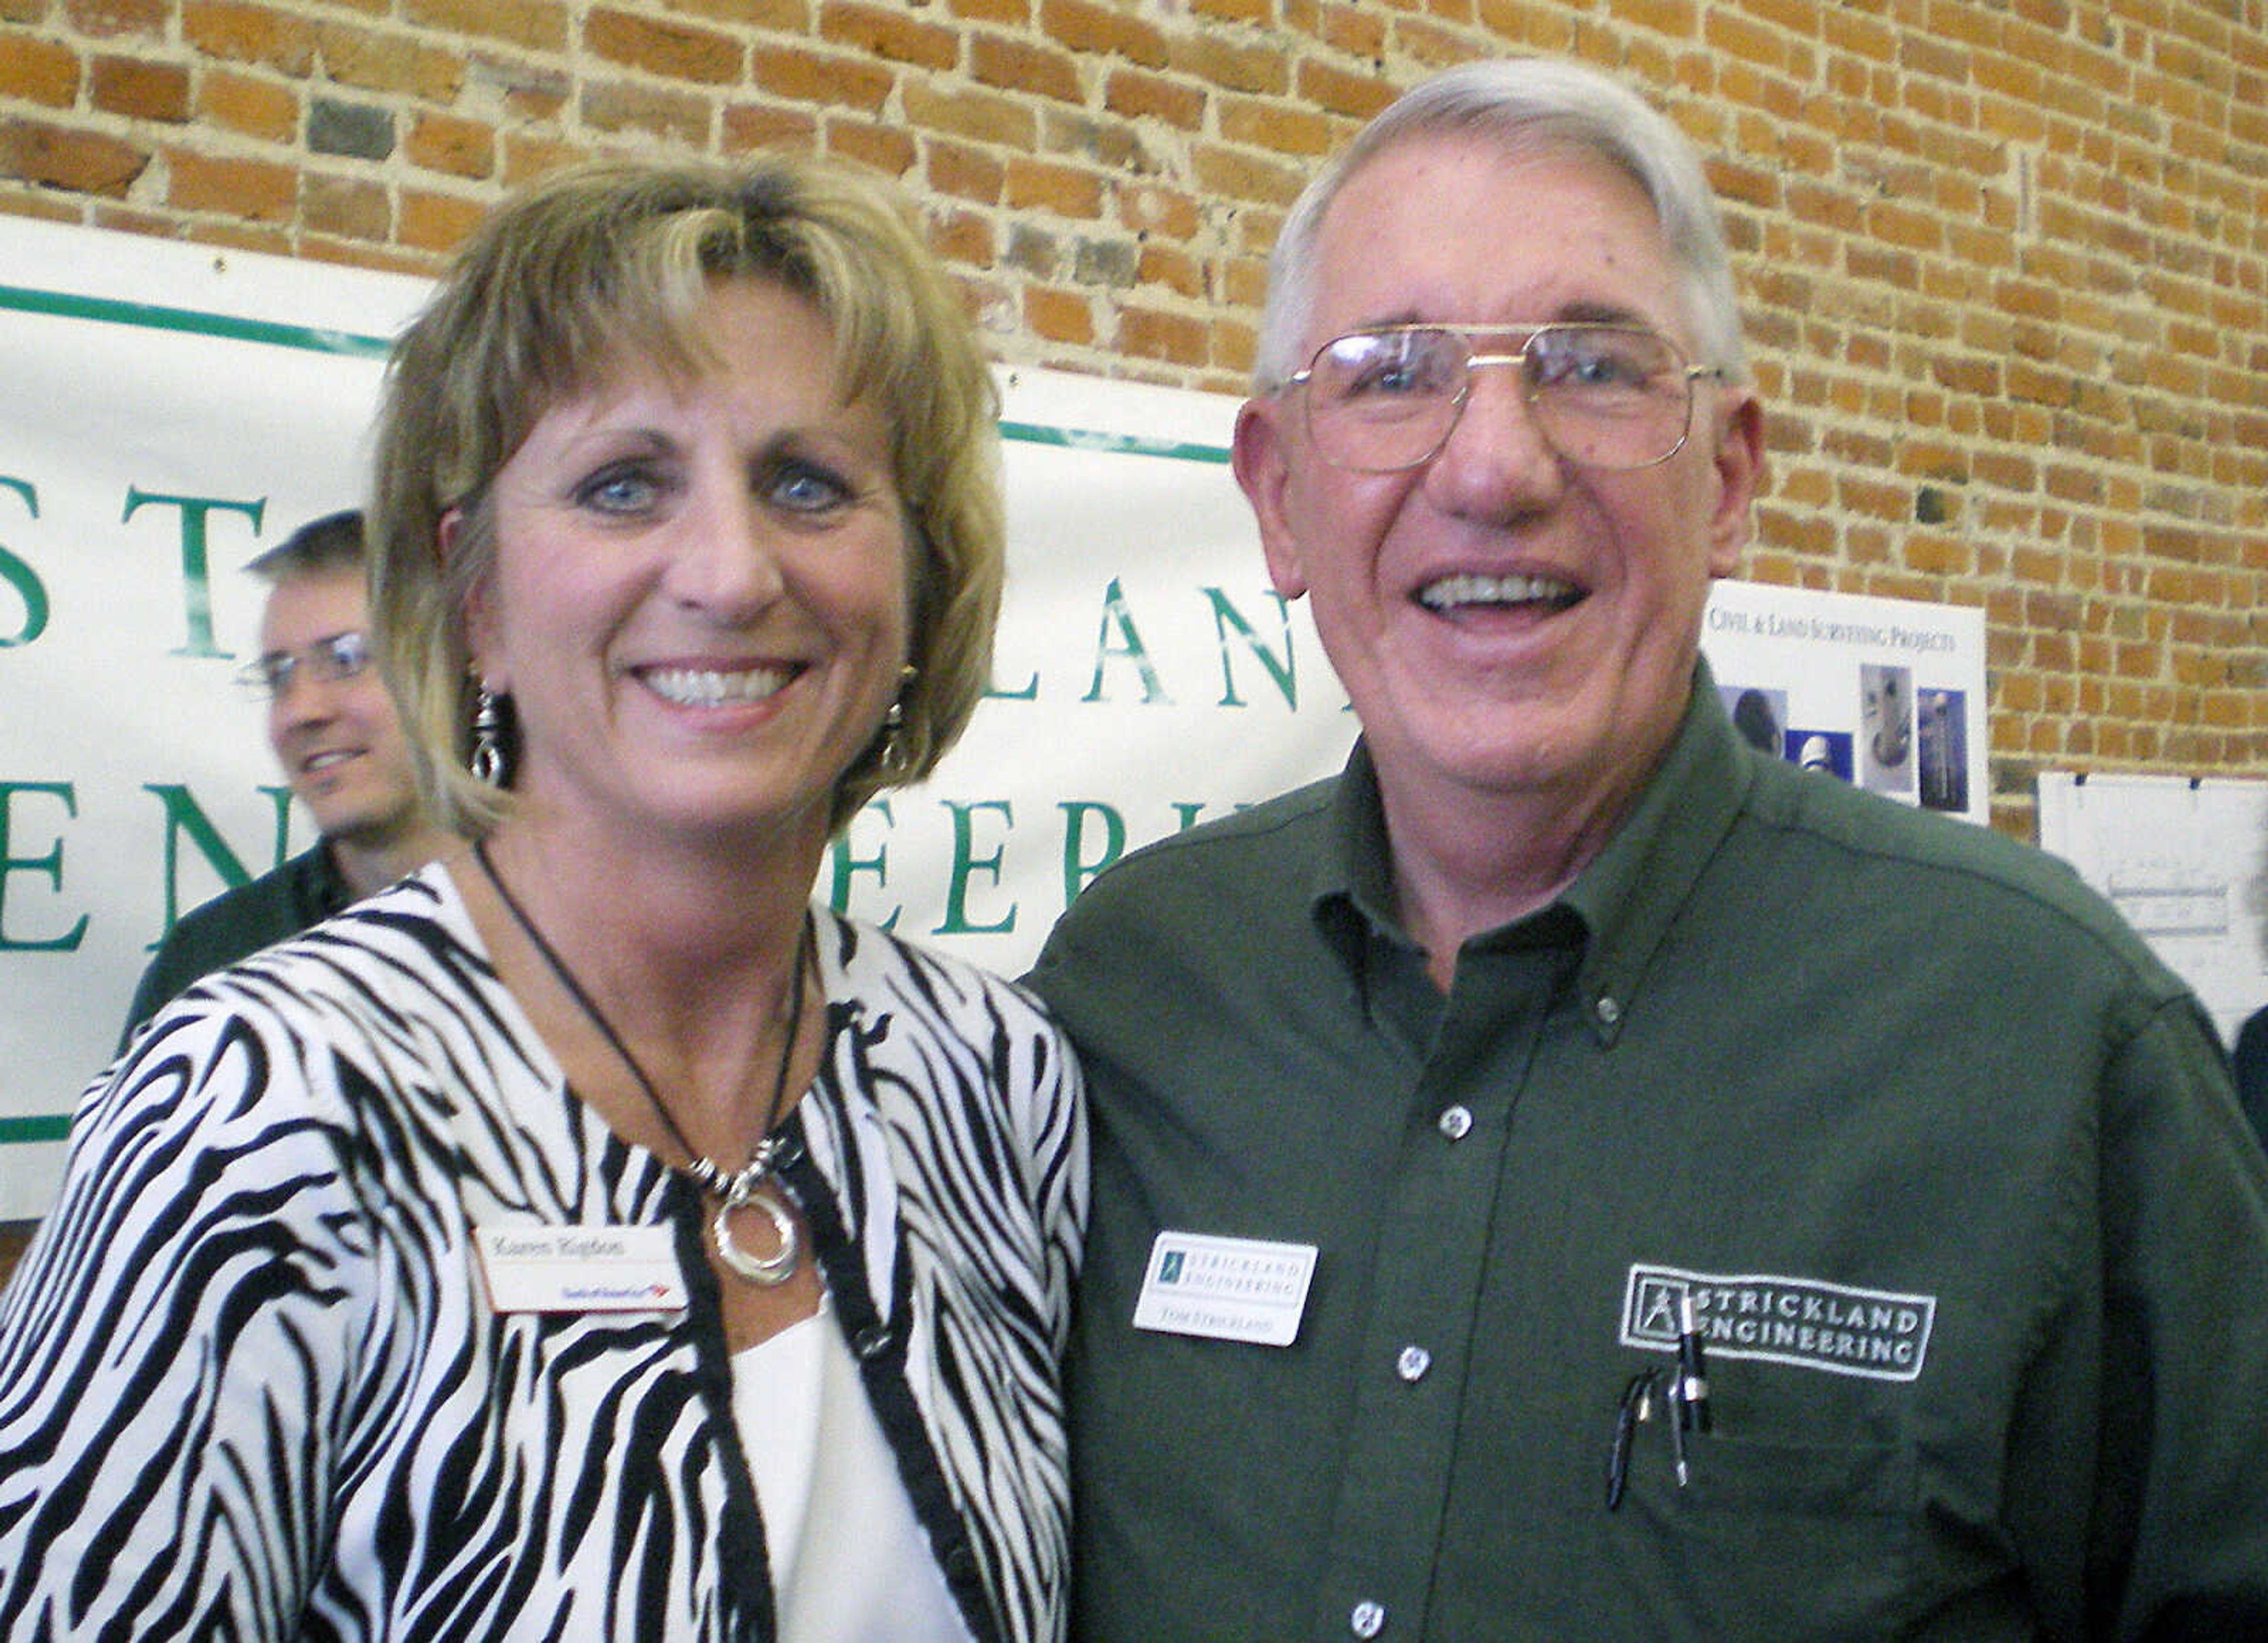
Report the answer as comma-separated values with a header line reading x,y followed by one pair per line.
x,y
1575,1175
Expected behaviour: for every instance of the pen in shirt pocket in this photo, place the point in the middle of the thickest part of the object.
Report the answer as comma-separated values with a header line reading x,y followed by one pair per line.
x,y
1687,1396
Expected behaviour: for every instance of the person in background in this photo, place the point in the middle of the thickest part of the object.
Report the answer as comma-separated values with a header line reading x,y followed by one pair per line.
x,y
1574,1174
2251,1058
333,731
591,1237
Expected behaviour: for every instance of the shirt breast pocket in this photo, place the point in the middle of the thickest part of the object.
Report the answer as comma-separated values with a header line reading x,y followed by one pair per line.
x,y
1792,1542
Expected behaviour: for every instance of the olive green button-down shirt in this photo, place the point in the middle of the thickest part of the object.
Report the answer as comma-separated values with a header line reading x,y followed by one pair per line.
x,y
1947,1165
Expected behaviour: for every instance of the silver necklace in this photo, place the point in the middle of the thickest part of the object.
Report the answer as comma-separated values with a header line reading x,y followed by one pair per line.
x,y
734,1189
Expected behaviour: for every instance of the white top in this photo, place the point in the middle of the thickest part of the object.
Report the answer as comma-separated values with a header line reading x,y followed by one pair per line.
x,y
850,1564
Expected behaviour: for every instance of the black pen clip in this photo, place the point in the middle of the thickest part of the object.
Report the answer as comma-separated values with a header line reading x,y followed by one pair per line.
x,y
1637,1405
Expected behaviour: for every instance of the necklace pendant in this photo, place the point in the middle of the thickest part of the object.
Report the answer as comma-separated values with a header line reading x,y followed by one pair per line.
x,y
768,1271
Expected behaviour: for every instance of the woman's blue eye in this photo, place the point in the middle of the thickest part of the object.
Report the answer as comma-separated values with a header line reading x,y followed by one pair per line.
x,y
805,488
619,490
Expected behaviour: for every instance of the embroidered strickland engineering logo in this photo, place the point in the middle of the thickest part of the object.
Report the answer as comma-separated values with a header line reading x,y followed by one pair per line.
x,y
1871,1332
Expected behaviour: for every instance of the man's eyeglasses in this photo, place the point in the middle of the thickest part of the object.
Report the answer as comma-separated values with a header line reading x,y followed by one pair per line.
x,y
340,656
1604,396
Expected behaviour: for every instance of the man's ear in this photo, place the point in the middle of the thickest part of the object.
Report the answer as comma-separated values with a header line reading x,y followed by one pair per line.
x,y
1263,468
1739,468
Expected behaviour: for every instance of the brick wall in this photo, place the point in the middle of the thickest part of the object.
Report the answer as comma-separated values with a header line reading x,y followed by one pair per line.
x,y
2006,263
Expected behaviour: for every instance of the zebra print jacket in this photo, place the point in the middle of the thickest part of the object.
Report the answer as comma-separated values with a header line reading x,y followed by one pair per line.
x,y
249,1387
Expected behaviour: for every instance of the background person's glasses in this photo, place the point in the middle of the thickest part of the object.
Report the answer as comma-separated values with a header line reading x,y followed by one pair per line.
x,y
340,656
1604,396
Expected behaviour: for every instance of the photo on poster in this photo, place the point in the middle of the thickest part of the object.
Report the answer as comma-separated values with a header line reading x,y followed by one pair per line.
x,y
1760,713
1886,723
1826,751
1943,749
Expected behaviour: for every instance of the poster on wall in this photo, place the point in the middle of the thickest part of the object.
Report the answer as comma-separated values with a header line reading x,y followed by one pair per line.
x,y
168,411
1883,693
2185,862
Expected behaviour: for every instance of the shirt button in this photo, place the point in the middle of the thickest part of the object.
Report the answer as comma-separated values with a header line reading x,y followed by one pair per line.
x,y
1608,1010
1413,1363
1454,1121
1368,1620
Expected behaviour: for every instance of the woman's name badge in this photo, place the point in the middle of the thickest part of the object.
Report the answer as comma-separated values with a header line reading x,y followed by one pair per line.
x,y
1226,1289
581,1268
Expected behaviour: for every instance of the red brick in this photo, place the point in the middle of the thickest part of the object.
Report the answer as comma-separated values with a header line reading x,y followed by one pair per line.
x,y
979,115
620,107
1083,26
829,79
1278,126
389,61
82,162
886,149
1139,96
237,33
753,125
445,142
1060,190
1018,66
1258,67
537,25
673,51
892,35
349,208
247,106
39,72
961,171
116,19
140,90
248,190
436,222
1058,316
1333,90
1146,334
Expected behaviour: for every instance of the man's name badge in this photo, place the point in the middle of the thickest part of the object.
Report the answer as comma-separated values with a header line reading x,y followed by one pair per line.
x,y
581,1268
1226,1289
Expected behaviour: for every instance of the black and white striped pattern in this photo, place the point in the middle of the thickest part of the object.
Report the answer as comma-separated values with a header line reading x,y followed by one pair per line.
x,y
250,1388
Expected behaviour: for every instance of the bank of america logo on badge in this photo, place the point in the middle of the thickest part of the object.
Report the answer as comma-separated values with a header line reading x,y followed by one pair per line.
x,y
1877,1333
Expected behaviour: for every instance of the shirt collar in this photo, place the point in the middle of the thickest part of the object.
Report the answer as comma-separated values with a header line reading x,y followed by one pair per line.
x,y
1625,900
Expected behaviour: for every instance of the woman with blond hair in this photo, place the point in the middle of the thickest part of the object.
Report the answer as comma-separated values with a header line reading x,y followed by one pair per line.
x,y
591,1237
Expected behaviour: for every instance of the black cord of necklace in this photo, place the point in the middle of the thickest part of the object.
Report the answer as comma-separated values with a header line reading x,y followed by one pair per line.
x,y
717,1179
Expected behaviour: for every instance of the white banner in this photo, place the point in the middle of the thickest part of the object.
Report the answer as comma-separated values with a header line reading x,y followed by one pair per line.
x,y
167,411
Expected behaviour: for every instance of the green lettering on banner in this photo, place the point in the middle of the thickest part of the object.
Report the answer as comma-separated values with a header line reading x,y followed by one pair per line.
x,y
184,815
197,574
1186,814
1078,869
1030,693
1285,673
55,1126
845,866
1115,613
22,578
51,864
966,862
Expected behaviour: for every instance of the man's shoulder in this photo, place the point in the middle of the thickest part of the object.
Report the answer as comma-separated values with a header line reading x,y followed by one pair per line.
x,y
272,897
1958,874
1254,847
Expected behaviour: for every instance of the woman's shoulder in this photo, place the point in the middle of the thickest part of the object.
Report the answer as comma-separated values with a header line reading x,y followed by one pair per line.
x,y
864,962
945,1039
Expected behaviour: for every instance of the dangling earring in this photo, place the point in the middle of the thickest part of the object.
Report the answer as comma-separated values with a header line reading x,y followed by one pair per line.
x,y
896,758
488,762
